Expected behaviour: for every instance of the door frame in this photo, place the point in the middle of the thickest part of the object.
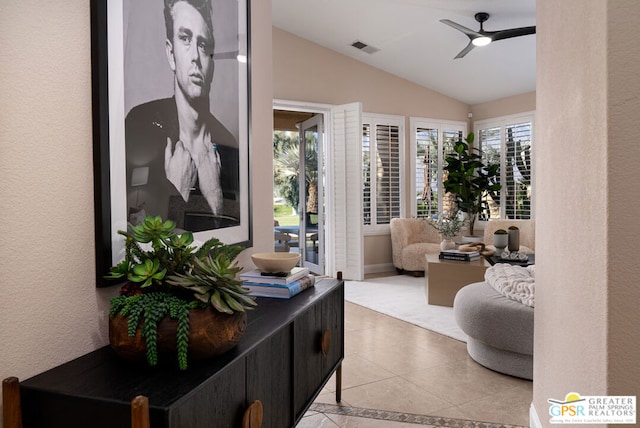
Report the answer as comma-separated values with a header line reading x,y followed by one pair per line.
x,y
325,110
350,240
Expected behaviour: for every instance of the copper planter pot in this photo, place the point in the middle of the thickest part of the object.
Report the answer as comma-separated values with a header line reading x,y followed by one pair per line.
x,y
211,333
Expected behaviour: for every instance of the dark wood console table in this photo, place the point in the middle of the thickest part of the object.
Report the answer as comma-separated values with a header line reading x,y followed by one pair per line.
x,y
289,351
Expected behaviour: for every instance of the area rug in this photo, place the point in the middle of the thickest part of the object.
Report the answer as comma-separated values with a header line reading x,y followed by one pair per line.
x,y
403,297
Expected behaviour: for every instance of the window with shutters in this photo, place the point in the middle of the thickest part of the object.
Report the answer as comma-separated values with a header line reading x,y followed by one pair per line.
x,y
431,142
509,141
382,169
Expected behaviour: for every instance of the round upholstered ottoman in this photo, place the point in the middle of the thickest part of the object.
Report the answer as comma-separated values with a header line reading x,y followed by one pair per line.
x,y
499,330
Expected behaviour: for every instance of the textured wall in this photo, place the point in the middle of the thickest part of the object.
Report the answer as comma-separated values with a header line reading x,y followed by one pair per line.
x,y
623,154
50,310
586,335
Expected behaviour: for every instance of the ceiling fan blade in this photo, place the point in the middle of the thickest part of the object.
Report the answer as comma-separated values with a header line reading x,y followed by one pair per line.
x,y
469,32
512,32
465,51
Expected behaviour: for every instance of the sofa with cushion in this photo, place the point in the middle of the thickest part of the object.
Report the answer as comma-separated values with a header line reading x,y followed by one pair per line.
x,y
411,239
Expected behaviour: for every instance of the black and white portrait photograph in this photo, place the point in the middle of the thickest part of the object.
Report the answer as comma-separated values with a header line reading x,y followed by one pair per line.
x,y
178,103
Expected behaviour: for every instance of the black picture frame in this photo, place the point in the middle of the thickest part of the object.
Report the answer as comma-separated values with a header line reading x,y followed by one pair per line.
x,y
115,28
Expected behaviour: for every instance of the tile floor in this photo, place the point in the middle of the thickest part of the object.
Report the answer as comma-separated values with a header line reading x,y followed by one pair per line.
x,y
395,366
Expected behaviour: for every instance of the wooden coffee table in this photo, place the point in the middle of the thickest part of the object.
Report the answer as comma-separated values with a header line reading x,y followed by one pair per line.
x,y
445,277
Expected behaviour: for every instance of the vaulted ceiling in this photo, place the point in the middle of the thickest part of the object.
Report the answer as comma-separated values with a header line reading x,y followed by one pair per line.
x,y
415,45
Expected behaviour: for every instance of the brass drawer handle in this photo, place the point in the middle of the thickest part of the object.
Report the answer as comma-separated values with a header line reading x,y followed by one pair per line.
x,y
325,343
253,415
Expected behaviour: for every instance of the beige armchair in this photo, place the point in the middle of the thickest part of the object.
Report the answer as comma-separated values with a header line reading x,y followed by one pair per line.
x,y
411,239
527,233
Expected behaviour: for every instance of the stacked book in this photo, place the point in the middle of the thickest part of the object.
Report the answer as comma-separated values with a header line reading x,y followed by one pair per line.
x,y
464,256
282,286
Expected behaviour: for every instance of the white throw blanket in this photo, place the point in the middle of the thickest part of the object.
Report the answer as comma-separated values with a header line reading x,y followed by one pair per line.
x,y
515,282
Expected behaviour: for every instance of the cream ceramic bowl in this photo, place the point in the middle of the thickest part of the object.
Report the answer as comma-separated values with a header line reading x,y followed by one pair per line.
x,y
275,262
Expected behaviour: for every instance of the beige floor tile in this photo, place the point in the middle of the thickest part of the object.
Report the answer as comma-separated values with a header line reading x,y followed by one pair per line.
x,y
329,397
395,394
358,371
317,420
510,405
395,366
452,412
405,358
355,422
461,381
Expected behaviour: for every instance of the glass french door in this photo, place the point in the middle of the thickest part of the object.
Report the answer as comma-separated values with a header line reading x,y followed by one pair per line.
x,y
312,215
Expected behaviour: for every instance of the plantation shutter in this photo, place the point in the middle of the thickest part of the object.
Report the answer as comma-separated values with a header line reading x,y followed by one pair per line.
x,y
426,166
518,170
344,205
388,173
508,141
382,155
366,174
431,142
490,146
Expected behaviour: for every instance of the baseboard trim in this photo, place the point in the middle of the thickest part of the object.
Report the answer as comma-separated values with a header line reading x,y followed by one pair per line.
x,y
534,420
379,268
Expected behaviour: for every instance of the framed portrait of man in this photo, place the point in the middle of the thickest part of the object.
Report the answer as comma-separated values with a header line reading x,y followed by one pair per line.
x,y
171,119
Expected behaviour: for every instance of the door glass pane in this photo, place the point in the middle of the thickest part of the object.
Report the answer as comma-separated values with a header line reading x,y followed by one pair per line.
x,y
311,199
286,203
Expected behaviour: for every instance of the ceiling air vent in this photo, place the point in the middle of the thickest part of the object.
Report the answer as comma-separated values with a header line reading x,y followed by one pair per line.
x,y
364,47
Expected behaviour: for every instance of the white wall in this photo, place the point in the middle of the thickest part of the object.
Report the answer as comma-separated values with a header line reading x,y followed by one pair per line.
x,y
50,310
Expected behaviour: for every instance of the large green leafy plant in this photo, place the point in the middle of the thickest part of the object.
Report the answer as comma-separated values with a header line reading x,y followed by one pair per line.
x,y
469,178
166,276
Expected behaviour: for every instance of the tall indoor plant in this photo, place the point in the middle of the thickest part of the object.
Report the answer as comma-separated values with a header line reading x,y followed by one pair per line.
x,y
468,178
176,295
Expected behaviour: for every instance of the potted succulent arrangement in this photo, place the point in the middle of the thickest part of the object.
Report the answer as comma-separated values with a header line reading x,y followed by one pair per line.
x,y
448,225
177,298
468,178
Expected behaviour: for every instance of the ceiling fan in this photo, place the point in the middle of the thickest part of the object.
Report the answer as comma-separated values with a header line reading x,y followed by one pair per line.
x,y
482,37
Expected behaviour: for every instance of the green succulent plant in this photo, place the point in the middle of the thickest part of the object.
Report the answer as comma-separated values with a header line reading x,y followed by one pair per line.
x,y
500,232
213,280
164,274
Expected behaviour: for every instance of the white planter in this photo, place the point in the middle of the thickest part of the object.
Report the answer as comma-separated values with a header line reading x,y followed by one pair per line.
x,y
500,241
447,244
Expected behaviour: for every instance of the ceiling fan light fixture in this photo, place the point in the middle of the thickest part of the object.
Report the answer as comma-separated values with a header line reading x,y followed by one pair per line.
x,y
481,41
